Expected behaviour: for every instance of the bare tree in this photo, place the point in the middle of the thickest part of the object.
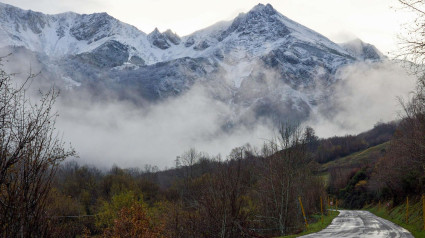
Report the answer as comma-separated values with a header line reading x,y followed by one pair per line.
x,y
287,174
413,41
188,160
218,204
30,153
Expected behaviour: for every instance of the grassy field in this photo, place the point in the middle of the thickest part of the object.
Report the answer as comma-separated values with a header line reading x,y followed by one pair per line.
x,y
398,216
358,158
318,225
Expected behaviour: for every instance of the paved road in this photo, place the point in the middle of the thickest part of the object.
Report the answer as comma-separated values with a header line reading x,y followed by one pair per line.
x,y
361,224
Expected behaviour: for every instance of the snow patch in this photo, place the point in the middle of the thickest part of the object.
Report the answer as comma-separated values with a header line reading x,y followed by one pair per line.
x,y
70,83
237,73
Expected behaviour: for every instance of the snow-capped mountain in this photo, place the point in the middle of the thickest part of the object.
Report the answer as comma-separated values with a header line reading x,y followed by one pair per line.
x,y
256,32
261,60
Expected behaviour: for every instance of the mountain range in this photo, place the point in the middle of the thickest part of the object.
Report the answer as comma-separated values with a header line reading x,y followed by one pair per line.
x,y
261,63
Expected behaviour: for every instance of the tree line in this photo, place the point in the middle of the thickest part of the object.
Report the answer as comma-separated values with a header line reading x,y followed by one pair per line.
x,y
247,194
250,193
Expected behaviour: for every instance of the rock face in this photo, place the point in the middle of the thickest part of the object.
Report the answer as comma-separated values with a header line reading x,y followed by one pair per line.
x,y
108,55
362,50
159,40
92,27
172,37
261,60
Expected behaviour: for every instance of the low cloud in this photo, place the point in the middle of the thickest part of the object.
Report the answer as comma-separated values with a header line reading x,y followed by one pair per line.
x,y
110,131
366,93
121,133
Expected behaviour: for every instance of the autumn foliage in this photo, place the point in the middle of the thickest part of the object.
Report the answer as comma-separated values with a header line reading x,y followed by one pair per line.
x,y
134,222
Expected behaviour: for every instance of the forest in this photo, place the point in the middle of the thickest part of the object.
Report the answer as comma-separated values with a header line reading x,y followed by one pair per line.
x,y
248,194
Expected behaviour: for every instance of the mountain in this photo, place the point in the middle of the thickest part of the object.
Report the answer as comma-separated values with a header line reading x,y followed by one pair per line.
x,y
362,50
260,62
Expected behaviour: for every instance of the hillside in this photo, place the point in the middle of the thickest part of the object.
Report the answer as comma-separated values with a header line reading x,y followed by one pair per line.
x,y
359,159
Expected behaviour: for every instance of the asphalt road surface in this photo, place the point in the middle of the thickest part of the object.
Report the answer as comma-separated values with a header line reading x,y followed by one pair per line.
x,y
361,224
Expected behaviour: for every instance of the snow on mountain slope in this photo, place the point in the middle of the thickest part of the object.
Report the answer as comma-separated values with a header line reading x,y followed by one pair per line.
x,y
267,26
265,34
261,60
68,33
71,34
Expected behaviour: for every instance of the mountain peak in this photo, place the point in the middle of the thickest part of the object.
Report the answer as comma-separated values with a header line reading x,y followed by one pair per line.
x,y
267,9
171,36
156,38
103,15
262,20
155,31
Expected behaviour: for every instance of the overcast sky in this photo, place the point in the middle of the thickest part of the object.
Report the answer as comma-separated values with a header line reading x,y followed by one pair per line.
x,y
374,21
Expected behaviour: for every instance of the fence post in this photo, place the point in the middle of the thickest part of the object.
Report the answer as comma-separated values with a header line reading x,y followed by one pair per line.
x,y
407,210
302,209
336,206
423,209
321,207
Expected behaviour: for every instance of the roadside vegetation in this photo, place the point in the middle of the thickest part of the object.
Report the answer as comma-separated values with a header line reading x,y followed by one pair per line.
x,y
397,214
317,225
